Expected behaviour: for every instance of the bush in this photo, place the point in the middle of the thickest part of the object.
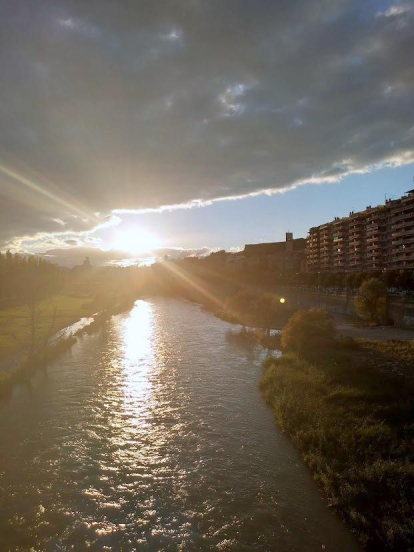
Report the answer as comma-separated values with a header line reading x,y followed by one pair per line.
x,y
241,307
308,331
370,303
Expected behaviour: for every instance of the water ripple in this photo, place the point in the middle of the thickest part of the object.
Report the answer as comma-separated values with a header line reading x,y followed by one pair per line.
x,y
151,435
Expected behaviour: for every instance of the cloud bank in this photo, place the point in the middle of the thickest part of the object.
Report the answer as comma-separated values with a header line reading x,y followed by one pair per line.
x,y
110,106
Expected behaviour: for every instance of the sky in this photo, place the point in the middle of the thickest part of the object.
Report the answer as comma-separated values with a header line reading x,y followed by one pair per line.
x,y
200,124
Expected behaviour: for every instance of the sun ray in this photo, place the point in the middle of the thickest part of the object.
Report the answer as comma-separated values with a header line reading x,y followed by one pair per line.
x,y
195,285
33,186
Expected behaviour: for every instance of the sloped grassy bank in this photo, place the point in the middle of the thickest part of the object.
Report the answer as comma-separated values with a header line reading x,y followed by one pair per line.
x,y
51,351
30,365
354,426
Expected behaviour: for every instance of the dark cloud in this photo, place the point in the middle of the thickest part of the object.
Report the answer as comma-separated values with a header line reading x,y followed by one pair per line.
x,y
132,105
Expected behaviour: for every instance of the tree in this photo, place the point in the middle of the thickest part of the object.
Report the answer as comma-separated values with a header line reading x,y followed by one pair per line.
x,y
371,301
40,327
86,263
266,309
242,306
19,274
308,331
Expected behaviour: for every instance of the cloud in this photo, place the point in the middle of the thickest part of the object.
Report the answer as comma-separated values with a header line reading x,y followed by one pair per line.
x,y
395,10
37,242
112,107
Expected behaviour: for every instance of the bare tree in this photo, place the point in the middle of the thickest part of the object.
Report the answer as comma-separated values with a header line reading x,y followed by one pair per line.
x,y
37,318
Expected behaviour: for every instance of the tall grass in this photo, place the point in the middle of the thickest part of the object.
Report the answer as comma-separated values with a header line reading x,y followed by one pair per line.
x,y
354,429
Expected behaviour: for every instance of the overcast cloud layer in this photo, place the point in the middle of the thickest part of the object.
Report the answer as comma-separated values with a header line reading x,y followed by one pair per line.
x,y
134,105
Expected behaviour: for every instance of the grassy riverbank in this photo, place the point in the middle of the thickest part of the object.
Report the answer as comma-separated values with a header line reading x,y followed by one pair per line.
x,y
31,365
15,324
51,351
353,424
392,355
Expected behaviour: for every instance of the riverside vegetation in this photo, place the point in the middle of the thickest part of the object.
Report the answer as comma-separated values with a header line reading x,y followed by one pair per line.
x,y
49,349
38,298
15,321
353,423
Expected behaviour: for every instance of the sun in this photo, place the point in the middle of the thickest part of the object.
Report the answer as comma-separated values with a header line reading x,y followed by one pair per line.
x,y
134,241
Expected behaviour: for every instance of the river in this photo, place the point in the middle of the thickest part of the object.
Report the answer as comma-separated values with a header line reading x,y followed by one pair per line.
x,y
152,435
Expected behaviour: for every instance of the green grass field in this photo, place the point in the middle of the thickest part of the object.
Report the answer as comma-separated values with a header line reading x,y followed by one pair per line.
x,y
16,320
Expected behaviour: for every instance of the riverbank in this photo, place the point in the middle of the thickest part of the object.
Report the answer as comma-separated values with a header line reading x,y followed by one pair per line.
x,y
29,365
15,325
59,343
352,423
255,336
346,325
349,326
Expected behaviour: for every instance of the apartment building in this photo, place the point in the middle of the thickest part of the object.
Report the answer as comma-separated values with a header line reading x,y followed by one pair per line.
x,y
378,238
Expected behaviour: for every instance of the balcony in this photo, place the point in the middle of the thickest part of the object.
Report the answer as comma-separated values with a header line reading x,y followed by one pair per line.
x,y
373,230
402,217
397,226
408,205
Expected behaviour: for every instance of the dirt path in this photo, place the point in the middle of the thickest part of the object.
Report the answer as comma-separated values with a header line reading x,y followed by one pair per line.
x,y
347,326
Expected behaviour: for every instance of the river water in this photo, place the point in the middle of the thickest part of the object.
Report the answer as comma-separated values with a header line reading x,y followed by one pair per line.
x,y
152,435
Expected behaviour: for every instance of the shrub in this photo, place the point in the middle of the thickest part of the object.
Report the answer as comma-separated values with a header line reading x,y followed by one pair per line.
x,y
308,331
370,303
241,306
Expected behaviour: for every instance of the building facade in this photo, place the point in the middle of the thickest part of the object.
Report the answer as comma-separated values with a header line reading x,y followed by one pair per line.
x,y
378,238
286,256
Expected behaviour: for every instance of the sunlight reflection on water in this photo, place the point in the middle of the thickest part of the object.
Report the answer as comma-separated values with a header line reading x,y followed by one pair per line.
x,y
137,333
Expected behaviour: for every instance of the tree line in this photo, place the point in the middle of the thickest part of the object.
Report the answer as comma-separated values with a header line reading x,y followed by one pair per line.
x,y
25,276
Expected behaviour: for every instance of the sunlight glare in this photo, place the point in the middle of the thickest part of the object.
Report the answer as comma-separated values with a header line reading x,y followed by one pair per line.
x,y
134,241
137,334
